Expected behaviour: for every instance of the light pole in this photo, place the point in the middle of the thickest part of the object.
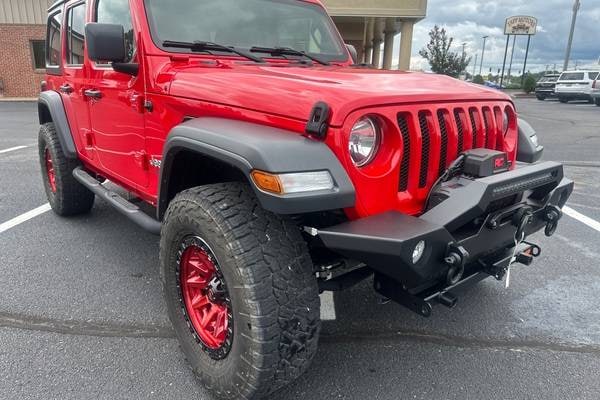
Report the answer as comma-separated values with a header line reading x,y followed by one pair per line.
x,y
463,57
576,7
482,54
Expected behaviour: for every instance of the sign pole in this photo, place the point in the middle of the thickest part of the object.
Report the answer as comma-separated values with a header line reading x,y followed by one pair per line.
x,y
504,62
512,53
525,63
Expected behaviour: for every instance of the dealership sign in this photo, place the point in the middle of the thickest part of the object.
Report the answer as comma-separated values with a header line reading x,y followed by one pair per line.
x,y
520,25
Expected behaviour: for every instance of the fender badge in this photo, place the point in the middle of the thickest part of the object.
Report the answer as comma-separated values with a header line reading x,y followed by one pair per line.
x,y
155,162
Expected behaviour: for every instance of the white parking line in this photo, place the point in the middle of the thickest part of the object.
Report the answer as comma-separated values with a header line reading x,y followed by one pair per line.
x,y
24,218
12,149
582,218
327,306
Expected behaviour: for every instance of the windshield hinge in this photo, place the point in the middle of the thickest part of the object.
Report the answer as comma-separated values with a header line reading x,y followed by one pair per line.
x,y
318,122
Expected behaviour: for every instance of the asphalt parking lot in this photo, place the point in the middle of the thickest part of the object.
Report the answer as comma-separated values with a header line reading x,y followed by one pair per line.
x,y
82,314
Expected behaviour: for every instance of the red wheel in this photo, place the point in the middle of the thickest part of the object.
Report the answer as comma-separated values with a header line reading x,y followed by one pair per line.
x,y
50,170
205,298
66,196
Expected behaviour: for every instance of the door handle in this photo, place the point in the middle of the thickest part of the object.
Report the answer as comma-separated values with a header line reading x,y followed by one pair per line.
x,y
66,88
93,94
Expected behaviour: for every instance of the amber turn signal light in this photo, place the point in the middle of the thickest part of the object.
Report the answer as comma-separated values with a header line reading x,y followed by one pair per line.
x,y
267,182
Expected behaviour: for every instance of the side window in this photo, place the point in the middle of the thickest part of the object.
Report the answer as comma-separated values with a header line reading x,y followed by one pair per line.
x,y
593,75
53,43
117,12
75,34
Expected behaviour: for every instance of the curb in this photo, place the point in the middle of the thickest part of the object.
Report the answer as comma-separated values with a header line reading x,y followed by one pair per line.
x,y
18,99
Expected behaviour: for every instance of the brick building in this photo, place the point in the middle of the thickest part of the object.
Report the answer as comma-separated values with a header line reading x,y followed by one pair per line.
x,y
370,25
22,34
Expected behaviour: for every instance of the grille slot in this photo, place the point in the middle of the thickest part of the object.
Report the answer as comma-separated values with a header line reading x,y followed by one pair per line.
x,y
473,116
486,124
460,131
444,142
426,142
405,164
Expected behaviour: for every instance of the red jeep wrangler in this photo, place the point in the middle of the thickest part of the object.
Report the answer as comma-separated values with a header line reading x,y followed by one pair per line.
x,y
278,168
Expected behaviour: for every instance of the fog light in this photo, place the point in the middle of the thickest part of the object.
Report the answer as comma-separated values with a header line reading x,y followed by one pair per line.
x,y
418,252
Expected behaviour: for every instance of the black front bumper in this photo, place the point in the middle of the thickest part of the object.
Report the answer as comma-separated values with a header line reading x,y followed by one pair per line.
x,y
469,234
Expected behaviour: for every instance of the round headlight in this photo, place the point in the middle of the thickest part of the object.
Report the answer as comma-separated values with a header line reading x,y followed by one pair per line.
x,y
505,122
364,141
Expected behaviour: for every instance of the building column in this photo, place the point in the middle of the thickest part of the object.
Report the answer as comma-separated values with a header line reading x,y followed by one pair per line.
x,y
377,40
406,44
368,46
388,45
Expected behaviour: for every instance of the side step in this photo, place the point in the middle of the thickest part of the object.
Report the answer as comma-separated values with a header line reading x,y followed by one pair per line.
x,y
125,207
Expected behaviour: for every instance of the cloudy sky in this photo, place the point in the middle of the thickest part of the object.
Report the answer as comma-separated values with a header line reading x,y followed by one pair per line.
x,y
469,20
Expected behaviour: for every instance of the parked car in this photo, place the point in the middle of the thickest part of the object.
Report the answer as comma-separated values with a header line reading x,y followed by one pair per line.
x,y
493,85
596,91
273,168
575,85
545,87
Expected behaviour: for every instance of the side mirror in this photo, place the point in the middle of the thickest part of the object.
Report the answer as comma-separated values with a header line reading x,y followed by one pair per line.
x,y
353,53
105,42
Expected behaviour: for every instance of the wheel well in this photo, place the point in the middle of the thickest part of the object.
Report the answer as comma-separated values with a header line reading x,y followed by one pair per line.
x,y
191,169
44,113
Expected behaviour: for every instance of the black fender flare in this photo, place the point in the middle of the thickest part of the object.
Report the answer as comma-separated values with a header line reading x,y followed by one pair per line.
x,y
247,147
51,109
528,151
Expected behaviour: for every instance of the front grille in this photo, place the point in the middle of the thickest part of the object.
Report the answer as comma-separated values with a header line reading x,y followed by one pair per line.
x,y
444,133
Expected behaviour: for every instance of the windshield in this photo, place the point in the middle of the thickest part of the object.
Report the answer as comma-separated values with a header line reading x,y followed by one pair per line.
x,y
572,76
245,24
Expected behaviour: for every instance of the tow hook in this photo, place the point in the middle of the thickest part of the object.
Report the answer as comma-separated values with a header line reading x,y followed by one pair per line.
x,y
456,259
552,214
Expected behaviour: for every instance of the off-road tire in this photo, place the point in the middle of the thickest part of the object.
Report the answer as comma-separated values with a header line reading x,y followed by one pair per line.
x,y
540,97
273,293
70,197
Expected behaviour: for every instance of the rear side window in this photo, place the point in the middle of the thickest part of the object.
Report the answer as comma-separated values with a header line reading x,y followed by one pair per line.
x,y
75,34
53,42
572,76
117,12
593,75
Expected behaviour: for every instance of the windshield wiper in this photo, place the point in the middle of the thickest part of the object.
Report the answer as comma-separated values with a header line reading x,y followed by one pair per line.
x,y
282,51
210,46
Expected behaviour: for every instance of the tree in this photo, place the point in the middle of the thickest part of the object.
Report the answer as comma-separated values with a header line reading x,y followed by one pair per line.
x,y
478,79
529,84
441,59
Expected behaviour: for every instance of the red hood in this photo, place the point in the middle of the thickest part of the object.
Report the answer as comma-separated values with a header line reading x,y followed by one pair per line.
x,y
293,91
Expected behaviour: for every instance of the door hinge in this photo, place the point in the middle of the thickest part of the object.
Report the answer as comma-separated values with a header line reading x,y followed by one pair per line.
x,y
141,159
148,106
